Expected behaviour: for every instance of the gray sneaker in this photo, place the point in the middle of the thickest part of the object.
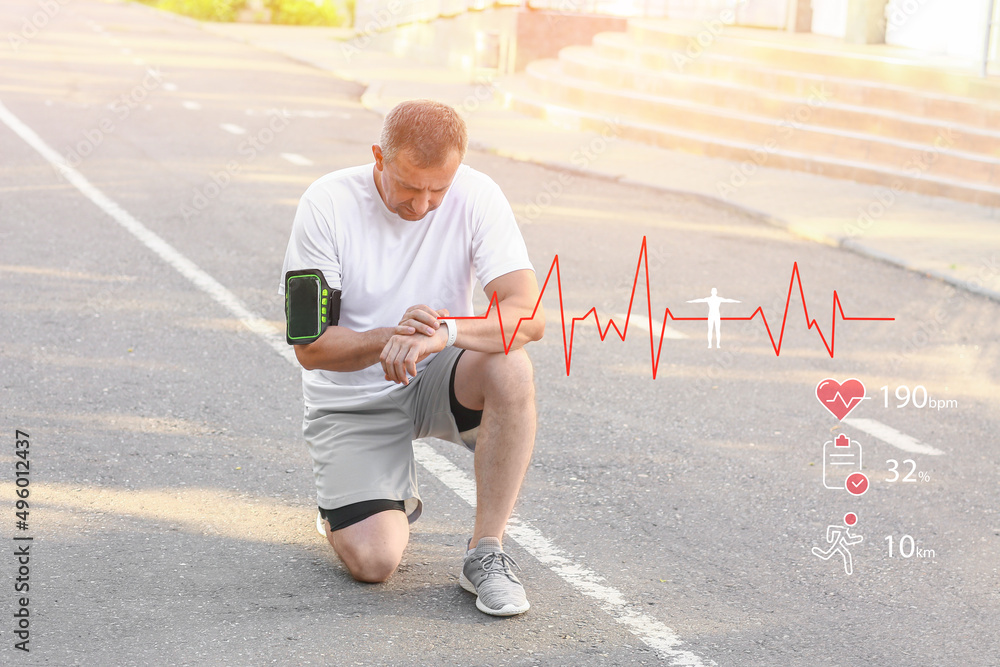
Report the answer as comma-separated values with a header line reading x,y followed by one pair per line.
x,y
487,573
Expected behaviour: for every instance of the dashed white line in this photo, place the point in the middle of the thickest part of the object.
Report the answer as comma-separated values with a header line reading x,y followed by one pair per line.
x,y
188,104
233,129
170,86
295,158
893,437
300,113
164,250
651,631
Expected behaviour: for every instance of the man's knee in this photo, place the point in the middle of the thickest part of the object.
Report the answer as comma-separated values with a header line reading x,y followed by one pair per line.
x,y
511,374
372,549
366,563
495,379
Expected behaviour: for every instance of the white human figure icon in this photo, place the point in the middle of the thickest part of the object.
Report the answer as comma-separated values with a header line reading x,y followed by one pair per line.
x,y
840,538
714,315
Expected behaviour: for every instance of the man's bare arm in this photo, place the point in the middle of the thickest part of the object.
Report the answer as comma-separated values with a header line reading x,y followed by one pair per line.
x,y
344,350
517,294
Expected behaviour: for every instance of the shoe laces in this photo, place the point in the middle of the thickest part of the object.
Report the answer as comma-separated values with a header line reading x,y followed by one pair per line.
x,y
498,562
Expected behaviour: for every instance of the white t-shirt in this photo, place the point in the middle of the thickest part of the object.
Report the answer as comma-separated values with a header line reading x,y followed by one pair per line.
x,y
384,264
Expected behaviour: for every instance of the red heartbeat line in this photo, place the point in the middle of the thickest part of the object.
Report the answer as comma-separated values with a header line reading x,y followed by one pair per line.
x,y
655,350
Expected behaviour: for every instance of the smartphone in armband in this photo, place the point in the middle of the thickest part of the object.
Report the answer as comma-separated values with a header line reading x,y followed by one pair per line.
x,y
310,306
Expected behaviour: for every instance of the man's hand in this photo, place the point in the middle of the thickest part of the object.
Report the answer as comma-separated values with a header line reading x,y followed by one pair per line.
x,y
423,319
401,354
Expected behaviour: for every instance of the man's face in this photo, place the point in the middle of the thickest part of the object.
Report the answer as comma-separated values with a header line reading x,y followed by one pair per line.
x,y
409,191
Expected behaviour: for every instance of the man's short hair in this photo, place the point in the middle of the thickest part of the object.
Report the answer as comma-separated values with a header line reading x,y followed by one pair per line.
x,y
429,131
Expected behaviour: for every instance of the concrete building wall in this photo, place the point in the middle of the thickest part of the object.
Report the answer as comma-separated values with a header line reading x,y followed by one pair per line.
x,y
948,27
951,27
829,17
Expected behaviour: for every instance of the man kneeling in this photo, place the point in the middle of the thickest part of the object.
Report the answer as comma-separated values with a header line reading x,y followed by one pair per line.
x,y
404,240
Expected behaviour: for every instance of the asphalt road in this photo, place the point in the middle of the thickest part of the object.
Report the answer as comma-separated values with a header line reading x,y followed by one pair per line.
x,y
171,502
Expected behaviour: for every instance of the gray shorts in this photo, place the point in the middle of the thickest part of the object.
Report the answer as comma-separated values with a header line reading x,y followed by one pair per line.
x,y
366,453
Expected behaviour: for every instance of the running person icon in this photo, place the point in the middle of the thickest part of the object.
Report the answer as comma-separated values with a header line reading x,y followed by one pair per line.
x,y
840,538
714,315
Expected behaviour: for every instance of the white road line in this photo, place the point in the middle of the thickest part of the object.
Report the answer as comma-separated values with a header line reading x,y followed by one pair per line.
x,y
188,104
651,631
232,129
893,437
166,252
295,158
301,113
643,323
170,86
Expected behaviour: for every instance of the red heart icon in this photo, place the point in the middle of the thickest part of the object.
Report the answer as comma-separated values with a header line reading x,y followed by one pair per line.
x,y
840,398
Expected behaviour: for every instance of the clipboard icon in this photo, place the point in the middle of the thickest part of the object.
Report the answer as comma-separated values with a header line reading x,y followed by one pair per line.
x,y
841,458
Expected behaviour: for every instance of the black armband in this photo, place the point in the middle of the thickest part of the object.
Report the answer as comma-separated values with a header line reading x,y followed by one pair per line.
x,y
310,306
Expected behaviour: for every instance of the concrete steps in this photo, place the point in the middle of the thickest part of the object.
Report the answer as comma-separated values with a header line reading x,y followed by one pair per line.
x,y
848,104
797,103
981,109
816,54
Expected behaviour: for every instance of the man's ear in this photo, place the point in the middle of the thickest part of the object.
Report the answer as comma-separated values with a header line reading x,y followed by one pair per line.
x,y
377,152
